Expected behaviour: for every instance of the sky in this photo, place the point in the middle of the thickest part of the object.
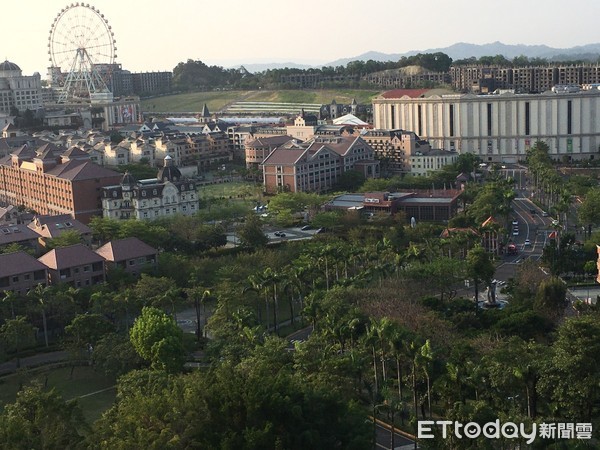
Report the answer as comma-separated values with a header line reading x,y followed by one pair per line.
x,y
156,35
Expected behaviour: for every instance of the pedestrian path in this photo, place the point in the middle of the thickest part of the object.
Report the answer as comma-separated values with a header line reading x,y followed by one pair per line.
x,y
29,362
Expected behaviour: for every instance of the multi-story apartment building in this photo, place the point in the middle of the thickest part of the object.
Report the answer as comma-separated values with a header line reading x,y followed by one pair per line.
x,y
20,272
316,165
497,127
401,152
533,79
200,150
393,148
151,82
258,149
406,78
50,180
425,161
75,265
168,194
131,255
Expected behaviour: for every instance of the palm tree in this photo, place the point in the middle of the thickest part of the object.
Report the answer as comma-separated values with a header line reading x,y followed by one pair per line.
x,y
10,297
40,294
426,359
273,278
312,309
256,284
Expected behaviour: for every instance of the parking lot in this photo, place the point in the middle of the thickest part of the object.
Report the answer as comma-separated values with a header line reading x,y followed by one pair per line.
x,y
278,235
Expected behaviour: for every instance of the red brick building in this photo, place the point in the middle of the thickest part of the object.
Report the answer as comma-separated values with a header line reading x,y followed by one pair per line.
x,y
316,165
52,181
258,149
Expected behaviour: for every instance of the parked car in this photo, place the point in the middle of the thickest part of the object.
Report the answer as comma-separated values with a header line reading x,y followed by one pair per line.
x,y
515,223
306,227
527,242
516,232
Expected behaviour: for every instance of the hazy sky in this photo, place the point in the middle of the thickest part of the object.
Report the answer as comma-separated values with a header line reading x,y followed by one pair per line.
x,y
156,35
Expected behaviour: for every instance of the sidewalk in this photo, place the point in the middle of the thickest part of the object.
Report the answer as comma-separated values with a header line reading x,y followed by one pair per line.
x,y
40,359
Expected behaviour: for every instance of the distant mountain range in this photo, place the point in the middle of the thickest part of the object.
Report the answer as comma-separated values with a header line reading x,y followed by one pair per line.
x,y
457,51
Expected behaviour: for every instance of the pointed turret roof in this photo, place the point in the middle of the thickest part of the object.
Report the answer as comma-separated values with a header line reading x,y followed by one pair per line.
x,y
205,112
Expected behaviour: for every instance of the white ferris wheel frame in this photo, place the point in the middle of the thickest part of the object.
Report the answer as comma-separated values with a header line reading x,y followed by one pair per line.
x,y
80,41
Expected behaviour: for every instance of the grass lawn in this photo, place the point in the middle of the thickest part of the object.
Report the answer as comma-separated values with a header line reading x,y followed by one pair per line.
x,y
233,189
217,100
85,381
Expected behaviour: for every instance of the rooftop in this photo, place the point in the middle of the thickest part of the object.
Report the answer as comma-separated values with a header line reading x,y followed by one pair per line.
x,y
122,249
17,263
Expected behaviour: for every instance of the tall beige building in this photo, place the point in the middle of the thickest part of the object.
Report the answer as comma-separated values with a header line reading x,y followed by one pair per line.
x,y
496,127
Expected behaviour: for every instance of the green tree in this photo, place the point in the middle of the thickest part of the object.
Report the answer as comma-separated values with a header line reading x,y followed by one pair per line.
x,y
251,233
66,238
114,355
88,329
17,334
551,297
41,296
41,420
589,210
104,229
480,268
157,338
571,376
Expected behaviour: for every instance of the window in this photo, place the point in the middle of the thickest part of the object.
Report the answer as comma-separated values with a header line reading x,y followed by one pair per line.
x,y
132,262
86,268
15,279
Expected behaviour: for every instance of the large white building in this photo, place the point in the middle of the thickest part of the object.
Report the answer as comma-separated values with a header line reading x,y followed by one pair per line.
x,y
497,127
17,90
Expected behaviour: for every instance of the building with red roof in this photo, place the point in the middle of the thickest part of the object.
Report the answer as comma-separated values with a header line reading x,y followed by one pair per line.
x,y
317,165
20,272
50,181
76,265
131,255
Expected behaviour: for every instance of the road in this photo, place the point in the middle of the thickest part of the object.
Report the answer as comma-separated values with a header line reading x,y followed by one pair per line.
x,y
384,438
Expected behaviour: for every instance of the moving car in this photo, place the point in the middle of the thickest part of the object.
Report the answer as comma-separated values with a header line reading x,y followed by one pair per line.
x,y
527,242
544,214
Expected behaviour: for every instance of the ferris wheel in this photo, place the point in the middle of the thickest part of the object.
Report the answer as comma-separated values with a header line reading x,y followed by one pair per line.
x,y
82,52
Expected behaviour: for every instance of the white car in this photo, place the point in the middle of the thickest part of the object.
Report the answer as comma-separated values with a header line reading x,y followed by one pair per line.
x,y
527,242
515,232
515,223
